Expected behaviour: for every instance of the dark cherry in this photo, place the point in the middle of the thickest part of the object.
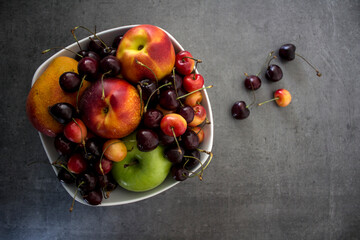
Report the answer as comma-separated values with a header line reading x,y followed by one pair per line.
x,y
108,52
174,154
64,146
181,92
88,67
85,53
190,162
190,140
117,41
147,87
90,158
239,110
70,82
168,100
62,112
147,140
152,118
94,197
112,64
94,146
65,177
252,82
170,79
187,113
179,173
287,52
165,139
107,182
87,181
96,45
274,73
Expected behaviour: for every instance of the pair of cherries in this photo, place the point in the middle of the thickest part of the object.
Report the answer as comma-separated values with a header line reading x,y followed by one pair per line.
x,y
273,73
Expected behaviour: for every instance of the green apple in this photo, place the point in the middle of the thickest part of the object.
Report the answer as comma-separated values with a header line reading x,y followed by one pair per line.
x,y
141,171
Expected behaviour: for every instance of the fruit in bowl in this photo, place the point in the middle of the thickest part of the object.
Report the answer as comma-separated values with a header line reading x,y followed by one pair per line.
x,y
112,108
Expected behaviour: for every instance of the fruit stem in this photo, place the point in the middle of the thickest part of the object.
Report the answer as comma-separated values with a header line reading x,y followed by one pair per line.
x,y
102,154
210,158
48,50
318,73
141,100
78,93
148,101
274,57
73,33
270,54
102,85
174,76
274,99
135,162
81,135
93,33
142,64
73,202
254,97
177,143
197,60
194,92
199,174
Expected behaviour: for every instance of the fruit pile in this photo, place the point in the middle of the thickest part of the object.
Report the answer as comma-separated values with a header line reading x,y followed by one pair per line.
x,y
128,114
273,73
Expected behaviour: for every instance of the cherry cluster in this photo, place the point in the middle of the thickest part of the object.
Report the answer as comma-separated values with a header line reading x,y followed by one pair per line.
x,y
273,73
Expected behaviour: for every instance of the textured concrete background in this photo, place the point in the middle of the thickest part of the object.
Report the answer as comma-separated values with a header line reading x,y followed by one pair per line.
x,y
283,173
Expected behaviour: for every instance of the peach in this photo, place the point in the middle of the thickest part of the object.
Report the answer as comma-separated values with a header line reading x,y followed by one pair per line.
x,y
117,114
46,92
149,45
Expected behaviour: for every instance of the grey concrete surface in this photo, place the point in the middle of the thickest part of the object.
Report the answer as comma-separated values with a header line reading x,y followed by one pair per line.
x,y
283,173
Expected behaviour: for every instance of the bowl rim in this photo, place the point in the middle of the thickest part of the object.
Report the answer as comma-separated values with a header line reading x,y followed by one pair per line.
x,y
44,139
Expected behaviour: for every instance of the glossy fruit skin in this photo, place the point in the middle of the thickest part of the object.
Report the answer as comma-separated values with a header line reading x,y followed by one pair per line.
x,y
88,67
183,64
273,73
193,99
89,179
94,197
149,45
164,139
110,65
96,45
106,166
168,99
191,162
173,121
147,140
187,113
76,163
191,83
177,84
252,82
284,97
178,173
94,146
65,177
174,154
107,182
90,54
287,52
199,116
190,140
75,131
70,82
199,132
63,145
239,110
63,112
114,150
152,118
147,88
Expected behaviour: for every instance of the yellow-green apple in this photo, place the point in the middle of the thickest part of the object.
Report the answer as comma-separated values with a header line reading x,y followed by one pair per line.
x,y
141,171
111,109
150,46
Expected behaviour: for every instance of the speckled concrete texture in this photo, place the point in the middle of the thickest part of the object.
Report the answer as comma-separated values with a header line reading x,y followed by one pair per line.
x,y
283,173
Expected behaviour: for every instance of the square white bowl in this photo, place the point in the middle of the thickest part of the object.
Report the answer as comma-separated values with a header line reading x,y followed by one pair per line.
x,y
121,196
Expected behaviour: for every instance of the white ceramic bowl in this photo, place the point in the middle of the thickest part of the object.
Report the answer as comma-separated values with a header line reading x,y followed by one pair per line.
x,y
119,195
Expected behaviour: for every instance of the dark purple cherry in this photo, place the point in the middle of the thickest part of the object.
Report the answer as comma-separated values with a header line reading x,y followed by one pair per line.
x,y
190,140
65,176
62,112
147,87
168,100
239,110
85,53
287,52
88,67
192,160
152,118
174,154
108,52
110,65
94,146
70,82
274,73
165,139
170,79
96,45
94,197
87,181
64,146
187,113
117,41
179,173
147,140
107,182
252,82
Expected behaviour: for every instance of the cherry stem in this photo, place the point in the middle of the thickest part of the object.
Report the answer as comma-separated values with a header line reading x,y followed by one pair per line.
x,y
64,167
318,73
177,143
194,92
211,155
274,99
73,33
199,174
102,154
270,54
254,97
131,164
48,50
102,84
93,33
197,60
142,64
78,93
148,101
141,100
73,202
274,57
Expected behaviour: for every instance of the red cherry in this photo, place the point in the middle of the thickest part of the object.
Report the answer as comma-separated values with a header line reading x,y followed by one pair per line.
x,y
184,63
281,96
106,166
199,116
75,131
76,163
192,83
173,123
